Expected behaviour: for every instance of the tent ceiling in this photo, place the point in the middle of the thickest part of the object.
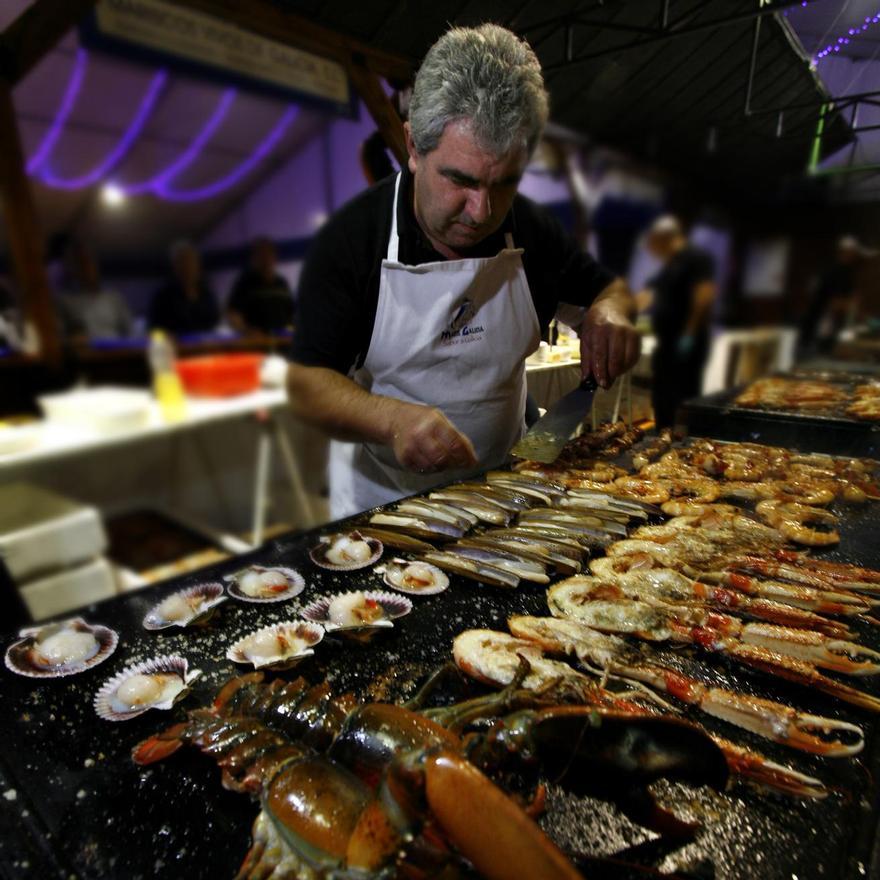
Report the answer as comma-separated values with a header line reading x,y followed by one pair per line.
x,y
677,101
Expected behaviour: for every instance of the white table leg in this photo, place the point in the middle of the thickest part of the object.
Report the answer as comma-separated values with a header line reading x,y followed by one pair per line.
x,y
300,496
261,483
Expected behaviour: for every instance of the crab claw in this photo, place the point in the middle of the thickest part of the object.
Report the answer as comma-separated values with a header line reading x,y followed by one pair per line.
x,y
835,654
809,733
616,756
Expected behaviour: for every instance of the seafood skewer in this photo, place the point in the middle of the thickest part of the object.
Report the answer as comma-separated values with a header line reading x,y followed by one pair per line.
x,y
495,657
673,586
631,605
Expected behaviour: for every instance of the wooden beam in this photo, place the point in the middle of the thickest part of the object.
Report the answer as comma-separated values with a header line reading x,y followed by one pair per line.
x,y
35,33
267,20
23,231
384,113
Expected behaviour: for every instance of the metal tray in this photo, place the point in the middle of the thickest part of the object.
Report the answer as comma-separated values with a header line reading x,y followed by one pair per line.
x,y
72,804
716,415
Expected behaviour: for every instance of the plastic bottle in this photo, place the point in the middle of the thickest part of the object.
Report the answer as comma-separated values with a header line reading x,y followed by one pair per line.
x,y
166,382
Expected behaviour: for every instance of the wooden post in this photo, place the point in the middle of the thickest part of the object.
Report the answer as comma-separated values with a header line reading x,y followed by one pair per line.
x,y
384,114
23,229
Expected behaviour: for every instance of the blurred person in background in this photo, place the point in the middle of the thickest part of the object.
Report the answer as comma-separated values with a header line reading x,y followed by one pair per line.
x,y
185,303
835,297
261,301
680,298
86,308
10,320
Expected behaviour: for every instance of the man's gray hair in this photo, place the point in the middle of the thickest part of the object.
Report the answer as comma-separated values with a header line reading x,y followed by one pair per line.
x,y
486,76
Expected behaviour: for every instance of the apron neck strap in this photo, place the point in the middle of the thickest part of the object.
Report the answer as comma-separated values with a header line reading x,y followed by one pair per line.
x,y
393,239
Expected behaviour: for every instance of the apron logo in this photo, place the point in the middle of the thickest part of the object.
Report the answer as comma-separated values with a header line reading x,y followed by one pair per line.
x,y
459,326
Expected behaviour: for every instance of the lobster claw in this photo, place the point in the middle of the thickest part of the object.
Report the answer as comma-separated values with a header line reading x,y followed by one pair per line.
x,y
616,756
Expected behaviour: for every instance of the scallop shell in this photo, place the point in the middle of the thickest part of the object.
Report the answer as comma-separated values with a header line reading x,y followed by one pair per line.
x,y
295,584
211,595
394,575
24,658
307,633
175,670
319,553
393,606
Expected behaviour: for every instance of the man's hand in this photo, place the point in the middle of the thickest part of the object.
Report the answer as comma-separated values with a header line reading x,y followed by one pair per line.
x,y
424,440
609,342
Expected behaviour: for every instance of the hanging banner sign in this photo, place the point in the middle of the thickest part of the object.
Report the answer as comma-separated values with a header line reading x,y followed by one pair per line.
x,y
199,44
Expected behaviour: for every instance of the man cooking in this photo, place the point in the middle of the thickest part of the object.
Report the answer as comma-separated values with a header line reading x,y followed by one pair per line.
x,y
422,297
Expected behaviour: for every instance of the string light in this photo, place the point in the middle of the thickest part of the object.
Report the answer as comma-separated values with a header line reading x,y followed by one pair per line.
x,y
118,153
74,84
166,191
155,183
161,183
845,40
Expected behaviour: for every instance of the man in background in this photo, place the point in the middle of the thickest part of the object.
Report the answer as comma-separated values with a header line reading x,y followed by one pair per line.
x,y
88,309
184,304
835,298
680,298
261,301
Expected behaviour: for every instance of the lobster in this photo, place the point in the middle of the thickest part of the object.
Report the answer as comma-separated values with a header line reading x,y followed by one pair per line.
x,y
381,790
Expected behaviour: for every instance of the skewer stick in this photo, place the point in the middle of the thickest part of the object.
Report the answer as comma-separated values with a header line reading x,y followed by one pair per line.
x,y
594,417
629,398
620,383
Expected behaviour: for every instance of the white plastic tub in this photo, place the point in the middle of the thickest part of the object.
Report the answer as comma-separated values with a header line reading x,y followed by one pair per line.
x,y
105,410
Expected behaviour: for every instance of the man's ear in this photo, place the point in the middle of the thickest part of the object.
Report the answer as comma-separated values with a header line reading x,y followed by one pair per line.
x,y
413,161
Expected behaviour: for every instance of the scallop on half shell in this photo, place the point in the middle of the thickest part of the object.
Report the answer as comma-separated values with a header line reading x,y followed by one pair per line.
x,y
257,583
357,615
279,646
58,649
153,684
417,578
194,606
346,552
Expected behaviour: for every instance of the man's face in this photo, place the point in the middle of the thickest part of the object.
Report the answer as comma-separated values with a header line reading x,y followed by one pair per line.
x,y
463,193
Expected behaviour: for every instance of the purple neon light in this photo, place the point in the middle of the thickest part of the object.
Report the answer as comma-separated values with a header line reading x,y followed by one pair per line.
x,y
841,41
155,183
166,191
74,84
161,183
118,153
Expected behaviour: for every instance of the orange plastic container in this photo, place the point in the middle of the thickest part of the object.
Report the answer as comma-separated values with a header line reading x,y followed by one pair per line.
x,y
220,375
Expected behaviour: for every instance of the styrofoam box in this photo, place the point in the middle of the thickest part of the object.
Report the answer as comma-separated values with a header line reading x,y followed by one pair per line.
x,y
41,531
107,410
69,589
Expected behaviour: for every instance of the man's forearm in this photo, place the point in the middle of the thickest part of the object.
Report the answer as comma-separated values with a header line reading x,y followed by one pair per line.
x,y
616,298
333,402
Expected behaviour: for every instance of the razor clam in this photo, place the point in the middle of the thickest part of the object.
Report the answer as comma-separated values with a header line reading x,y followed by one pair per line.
x,y
419,578
258,584
357,615
153,684
418,526
526,569
584,531
561,540
638,508
279,646
473,569
573,502
346,552
526,548
494,496
572,521
58,649
485,509
585,540
194,606
544,490
461,519
397,540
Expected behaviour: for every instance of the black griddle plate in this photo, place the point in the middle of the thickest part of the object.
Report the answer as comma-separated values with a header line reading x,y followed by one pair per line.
x,y
72,804
717,415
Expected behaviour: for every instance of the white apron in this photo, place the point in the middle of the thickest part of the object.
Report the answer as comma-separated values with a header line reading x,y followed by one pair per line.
x,y
455,335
